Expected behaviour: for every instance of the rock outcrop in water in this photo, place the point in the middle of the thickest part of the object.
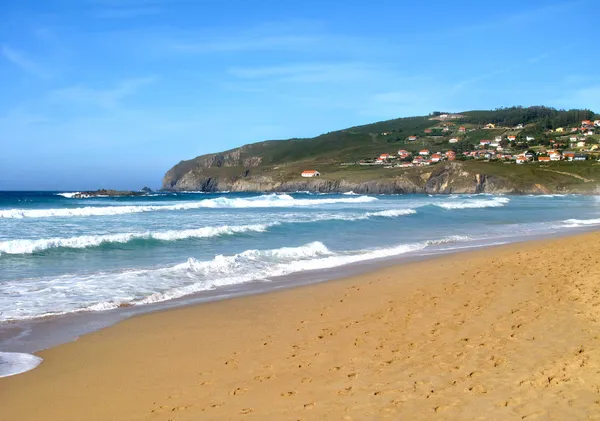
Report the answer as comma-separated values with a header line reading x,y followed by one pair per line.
x,y
106,193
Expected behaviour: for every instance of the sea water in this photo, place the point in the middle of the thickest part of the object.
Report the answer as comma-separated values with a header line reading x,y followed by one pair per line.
x,y
60,255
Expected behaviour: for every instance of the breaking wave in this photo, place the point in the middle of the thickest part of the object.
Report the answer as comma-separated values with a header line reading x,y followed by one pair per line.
x,y
573,223
68,195
26,246
496,202
392,213
109,290
266,201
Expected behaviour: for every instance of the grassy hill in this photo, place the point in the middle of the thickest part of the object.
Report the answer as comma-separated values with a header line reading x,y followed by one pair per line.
x,y
283,160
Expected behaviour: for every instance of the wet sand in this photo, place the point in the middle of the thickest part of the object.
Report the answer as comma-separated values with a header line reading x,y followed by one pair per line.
x,y
505,333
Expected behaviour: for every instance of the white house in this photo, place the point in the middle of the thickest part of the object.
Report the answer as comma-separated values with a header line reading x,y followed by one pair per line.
x,y
424,152
521,159
554,156
581,144
530,138
310,173
596,123
498,139
453,140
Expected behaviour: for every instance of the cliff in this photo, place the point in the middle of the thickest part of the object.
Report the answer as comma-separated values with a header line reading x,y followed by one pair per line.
x,y
445,178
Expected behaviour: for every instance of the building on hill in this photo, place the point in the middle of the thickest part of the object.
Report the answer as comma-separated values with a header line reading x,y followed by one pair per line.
x,y
403,153
560,130
586,123
554,156
310,173
453,140
511,138
530,138
384,156
490,126
485,142
596,123
543,158
412,138
424,152
462,129
427,131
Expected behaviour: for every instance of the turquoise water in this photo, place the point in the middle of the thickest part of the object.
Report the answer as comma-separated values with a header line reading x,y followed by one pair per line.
x,y
60,255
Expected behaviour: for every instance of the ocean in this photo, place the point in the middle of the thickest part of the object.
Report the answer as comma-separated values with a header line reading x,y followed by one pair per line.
x,y
68,266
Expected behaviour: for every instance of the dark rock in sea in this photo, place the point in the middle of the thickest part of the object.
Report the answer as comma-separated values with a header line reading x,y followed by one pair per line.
x,y
106,193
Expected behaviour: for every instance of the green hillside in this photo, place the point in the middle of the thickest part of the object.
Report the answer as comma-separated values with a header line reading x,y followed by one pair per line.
x,y
283,159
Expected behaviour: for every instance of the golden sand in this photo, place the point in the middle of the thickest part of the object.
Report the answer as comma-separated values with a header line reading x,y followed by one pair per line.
x,y
508,333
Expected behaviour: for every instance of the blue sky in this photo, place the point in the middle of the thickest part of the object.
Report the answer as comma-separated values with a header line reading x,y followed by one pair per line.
x,y
112,93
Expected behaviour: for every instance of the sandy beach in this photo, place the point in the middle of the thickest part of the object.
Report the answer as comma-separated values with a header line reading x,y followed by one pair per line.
x,y
506,333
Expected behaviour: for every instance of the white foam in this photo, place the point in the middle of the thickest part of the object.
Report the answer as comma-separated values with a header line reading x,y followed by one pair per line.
x,y
12,363
40,297
26,246
573,223
68,195
474,203
392,213
265,201
350,193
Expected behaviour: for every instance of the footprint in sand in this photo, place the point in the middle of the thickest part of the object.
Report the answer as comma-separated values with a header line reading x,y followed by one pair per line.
x,y
288,394
238,391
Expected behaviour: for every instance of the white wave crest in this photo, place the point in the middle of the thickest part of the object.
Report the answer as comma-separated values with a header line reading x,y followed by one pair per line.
x,y
475,203
278,201
68,195
108,290
266,201
392,213
26,246
573,223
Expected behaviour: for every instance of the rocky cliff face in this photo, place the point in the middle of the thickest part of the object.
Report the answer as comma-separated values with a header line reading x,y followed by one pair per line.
x,y
441,179
190,175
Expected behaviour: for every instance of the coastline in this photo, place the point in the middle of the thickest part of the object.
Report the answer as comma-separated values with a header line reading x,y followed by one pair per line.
x,y
36,335
506,331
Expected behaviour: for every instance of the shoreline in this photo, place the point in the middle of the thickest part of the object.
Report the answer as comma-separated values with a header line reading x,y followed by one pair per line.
x,y
36,335
505,331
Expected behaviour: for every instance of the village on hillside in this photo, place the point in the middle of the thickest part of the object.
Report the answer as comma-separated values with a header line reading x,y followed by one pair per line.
x,y
505,144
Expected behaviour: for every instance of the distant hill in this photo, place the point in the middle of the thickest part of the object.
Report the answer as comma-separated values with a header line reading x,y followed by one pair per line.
x,y
276,165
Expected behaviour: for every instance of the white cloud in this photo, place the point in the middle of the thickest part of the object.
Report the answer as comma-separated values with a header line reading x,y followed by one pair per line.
x,y
105,98
243,43
307,72
21,60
